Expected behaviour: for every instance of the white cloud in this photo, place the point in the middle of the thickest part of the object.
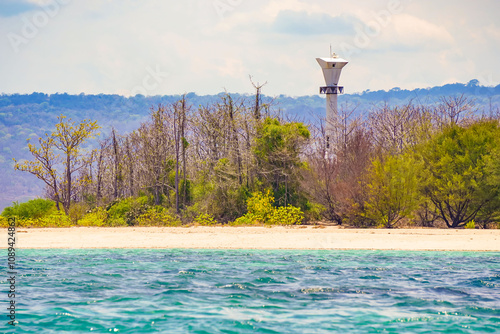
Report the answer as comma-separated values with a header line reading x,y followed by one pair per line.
x,y
274,7
419,33
96,46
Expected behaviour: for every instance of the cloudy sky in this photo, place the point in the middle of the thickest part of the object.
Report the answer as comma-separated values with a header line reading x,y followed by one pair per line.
x,y
205,46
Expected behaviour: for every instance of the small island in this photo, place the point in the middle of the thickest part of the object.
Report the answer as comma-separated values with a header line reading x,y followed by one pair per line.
x,y
239,162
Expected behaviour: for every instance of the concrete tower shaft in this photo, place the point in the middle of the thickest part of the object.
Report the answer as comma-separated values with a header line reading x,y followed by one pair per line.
x,y
332,68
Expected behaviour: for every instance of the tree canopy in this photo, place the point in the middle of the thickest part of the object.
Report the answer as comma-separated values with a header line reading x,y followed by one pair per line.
x,y
239,160
458,172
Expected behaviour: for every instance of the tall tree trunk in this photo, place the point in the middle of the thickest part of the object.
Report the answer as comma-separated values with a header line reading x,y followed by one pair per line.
x,y
67,200
257,107
257,104
130,167
99,175
184,147
177,133
116,165
248,156
56,195
236,144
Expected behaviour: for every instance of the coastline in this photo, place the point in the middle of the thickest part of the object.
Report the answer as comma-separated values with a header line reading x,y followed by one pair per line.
x,y
264,238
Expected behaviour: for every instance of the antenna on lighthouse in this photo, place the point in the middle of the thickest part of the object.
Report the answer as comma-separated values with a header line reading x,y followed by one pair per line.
x,y
332,67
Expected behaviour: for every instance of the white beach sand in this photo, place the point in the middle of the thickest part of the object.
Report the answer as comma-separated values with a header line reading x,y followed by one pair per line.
x,y
257,238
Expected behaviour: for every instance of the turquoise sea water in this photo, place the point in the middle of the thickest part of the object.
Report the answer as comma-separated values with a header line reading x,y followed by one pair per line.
x,y
236,291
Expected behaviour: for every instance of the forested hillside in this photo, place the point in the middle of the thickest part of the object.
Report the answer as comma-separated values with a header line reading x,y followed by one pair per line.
x,y
31,116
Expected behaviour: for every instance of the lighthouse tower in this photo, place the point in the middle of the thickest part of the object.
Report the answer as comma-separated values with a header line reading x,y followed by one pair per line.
x,y
331,70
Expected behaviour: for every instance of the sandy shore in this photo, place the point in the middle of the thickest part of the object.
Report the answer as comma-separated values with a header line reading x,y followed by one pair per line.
x,y
257,238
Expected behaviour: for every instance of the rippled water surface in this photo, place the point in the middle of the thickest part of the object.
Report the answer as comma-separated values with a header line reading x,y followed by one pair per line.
x,y
211,291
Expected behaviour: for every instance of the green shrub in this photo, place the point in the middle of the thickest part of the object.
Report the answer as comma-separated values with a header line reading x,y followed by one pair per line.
x,y
261,211
128,210
224,202
191,212
119,209
96,217
37,213
33,209
260,206
4,223
54,219
116,222
157,216
471,225
77,211
313,211
289,215
246,220
205,220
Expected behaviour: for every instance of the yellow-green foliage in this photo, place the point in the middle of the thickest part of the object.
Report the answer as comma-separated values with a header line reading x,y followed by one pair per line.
x,y
116,222
127,210
245,220
461,172
471,225
261,211
205,220
289,215
314,211
393,189
54,219
260,206
35,208
77,211
4,223
157,216
95,218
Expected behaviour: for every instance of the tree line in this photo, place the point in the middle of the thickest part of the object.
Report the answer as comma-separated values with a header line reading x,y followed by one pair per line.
x,y
242,160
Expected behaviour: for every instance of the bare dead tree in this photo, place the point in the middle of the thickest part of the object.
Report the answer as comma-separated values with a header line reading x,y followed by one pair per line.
x,y
257,106
336,182
116,164
455,110
130,166
179,111
392,127
344,125
100,169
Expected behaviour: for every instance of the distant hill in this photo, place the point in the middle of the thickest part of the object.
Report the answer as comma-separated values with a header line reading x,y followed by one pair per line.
x,y
30,116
